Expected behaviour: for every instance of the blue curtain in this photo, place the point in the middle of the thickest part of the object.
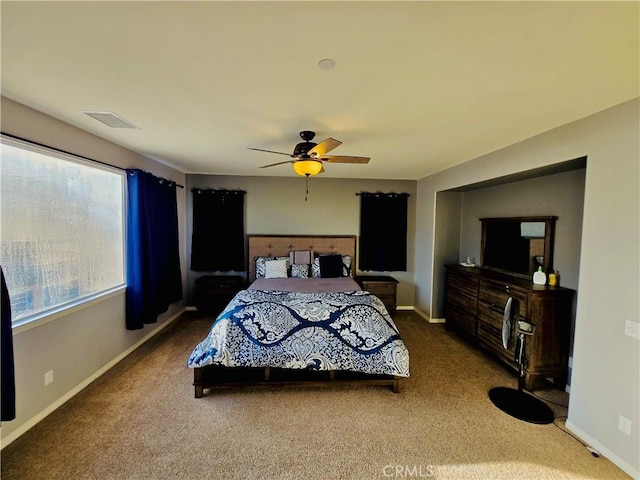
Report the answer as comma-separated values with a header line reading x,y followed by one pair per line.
x,y
383,231
154,280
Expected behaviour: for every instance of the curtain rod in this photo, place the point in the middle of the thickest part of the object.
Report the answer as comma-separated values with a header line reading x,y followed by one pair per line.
x,y
217,190
15,137
381,194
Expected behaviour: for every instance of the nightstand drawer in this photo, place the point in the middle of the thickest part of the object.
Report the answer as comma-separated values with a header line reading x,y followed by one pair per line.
x,y
213,292
379,289
387,299
383,287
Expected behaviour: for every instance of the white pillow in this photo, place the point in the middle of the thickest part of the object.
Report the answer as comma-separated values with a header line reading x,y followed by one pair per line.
x,y
275,269
260,261
346,265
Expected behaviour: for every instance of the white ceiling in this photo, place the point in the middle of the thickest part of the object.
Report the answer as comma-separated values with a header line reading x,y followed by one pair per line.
x,y
417,86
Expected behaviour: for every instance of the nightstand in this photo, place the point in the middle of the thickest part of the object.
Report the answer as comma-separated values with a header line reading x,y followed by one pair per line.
x,y
383,287
213,292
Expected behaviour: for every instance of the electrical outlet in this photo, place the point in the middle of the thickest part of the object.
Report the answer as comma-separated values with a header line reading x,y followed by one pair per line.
x,y
624,424
48,377
632,329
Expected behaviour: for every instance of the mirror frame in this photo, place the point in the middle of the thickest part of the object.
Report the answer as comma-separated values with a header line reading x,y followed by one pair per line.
x,y
549,237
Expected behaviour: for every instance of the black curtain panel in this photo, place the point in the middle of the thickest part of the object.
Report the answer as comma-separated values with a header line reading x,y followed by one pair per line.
x,y
154,280
383,231
8,384
217,241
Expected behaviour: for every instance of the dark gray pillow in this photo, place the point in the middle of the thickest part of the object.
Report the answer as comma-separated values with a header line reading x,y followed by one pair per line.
x,y
330,266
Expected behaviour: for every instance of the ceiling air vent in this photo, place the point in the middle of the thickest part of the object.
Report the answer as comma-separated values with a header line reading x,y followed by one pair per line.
x,y
111,119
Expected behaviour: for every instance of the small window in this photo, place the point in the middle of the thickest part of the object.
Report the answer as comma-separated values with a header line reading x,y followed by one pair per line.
x,y
61,228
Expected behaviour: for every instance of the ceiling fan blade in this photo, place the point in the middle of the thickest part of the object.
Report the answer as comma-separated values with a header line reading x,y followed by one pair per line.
x,y
270,151
323,147
344,159
274,164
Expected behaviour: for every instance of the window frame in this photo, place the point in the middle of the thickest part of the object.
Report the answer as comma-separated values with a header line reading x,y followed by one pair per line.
x,y
57,311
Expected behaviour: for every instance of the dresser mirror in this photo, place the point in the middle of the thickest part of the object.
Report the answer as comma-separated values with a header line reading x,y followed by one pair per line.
x,y
518,244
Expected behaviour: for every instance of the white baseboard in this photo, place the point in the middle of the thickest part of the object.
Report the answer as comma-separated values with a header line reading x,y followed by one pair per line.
x,y
437,320
421,313
592,442
78,388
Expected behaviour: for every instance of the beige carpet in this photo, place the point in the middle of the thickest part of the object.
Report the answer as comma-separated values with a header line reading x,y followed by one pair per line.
x,y
141,421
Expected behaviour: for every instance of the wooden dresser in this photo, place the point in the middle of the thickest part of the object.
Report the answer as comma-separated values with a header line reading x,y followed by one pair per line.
x,y
383,287
475,301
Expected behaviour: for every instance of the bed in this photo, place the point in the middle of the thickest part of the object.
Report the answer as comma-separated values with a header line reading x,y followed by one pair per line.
x,y
299,327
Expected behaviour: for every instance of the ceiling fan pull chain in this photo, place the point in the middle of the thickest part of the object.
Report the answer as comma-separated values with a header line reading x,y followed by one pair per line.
x,y
306,193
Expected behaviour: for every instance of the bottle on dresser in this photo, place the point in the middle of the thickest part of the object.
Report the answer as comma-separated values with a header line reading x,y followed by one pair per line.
x,y
539,277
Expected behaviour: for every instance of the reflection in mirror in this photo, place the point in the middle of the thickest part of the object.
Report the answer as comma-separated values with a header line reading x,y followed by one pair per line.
x,y
534,233
532,229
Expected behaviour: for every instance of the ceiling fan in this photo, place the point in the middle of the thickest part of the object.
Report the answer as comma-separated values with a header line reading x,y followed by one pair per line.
x,y
307,156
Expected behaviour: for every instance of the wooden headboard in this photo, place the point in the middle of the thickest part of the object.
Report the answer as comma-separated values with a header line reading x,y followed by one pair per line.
x,y
281,245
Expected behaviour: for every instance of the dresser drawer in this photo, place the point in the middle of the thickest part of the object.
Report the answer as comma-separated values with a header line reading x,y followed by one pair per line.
x,y
490,314
461,319
465,284
496,294
461,300
490,337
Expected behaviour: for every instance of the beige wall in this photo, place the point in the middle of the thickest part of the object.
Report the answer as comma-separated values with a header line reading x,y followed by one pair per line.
x,y
606,362
276,205
448,213
83,343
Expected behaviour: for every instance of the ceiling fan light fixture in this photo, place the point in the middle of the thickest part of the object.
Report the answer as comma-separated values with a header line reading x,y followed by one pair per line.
x,y
307,167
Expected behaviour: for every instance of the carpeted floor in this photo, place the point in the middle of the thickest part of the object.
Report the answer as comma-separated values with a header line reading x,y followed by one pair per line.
x,y
141,421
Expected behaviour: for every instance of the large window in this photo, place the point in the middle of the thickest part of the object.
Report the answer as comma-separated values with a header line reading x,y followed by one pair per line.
x,y
61,228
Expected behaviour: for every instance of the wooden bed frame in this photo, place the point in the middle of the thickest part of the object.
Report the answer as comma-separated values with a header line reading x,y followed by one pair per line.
x,y
219,377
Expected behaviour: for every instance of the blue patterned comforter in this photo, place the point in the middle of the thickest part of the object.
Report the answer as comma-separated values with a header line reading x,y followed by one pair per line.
x,y
349,331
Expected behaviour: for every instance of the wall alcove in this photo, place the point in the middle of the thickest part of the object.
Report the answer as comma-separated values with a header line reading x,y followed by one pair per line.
x,y
556,190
